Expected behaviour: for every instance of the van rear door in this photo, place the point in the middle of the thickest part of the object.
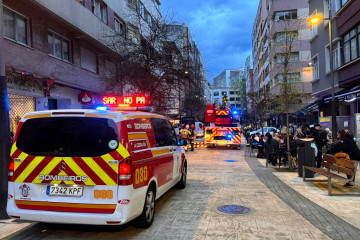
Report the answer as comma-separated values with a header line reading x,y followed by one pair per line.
x,y
67,160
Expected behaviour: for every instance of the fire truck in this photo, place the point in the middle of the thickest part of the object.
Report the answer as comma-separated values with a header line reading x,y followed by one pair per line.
x,y
221,131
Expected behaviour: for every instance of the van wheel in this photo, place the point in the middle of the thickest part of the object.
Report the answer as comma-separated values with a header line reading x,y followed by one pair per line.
x,y
147,216
182,183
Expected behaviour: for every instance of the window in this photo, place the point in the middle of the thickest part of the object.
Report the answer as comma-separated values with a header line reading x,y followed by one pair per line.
x,y
281,57
88,60
350,45
286,15
171,102
315,62
336,56
232,92
58,46
237,99
291,77
119,26
335,6
232,99
99,9
343,2
314,27
216,93
149,19
15,27
286,36
141,10
164,133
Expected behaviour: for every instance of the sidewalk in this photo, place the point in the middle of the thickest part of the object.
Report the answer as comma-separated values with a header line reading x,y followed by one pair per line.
x,y
346,207
10,226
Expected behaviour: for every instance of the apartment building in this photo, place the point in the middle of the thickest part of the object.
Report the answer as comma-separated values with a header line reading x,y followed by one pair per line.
x,y
56,52
278,23
249,76
224,83
194,79
345,15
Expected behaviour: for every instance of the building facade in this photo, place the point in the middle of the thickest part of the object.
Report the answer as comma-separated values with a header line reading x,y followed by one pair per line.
x,y
281,48
346,61
224,83
56,53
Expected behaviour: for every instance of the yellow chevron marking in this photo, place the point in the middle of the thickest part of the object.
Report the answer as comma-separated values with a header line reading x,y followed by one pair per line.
x,y
107,158
28,170
13,149
99,171
135,136
51,165
77,170
123,151
148,143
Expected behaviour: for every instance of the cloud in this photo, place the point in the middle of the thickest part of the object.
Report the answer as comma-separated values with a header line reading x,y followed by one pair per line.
x,y
220,28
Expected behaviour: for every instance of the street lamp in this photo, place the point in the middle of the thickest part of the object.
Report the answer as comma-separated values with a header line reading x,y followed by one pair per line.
x,y
315,20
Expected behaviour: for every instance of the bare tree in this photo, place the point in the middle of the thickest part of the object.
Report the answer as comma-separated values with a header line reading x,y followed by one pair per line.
x,y
149,61
287,89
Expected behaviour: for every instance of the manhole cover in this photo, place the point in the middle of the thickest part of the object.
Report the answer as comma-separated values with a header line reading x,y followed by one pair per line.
x,y
233,209
230,161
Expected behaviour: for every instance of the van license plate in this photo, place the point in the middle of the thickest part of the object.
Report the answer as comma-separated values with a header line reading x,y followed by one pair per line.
x,y
64,191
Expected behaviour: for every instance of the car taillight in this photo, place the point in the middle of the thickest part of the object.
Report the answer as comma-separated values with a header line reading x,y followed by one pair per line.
x,y
11,170
125,177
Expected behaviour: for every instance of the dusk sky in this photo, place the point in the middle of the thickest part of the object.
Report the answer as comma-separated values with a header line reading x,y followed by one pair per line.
x,y
220,28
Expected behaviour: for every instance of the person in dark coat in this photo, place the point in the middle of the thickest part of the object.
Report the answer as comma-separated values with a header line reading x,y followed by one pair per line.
x,y
260,147
320,142
346,144
271,142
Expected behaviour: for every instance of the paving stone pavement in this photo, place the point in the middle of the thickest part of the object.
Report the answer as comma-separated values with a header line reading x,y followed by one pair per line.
x,y
330,224
192,213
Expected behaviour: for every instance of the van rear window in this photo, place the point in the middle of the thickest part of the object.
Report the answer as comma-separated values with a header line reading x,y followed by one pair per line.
x,y
68,136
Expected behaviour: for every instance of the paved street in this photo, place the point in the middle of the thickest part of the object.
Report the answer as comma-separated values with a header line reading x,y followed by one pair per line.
x,y
277,211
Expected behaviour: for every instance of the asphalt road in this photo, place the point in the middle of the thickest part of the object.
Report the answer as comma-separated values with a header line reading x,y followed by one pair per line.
x,y
216,177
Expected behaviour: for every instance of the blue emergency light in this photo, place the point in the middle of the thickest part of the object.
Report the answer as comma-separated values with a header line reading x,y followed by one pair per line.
x,y
101,108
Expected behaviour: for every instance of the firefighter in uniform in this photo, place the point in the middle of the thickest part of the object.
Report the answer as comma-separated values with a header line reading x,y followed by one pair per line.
x,y
192,136
184,134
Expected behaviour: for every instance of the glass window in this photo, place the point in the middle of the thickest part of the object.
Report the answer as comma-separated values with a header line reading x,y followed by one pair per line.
x,y
353,48
142,10
315,68
232,92
216,93
164,133
343,2
119,26
58,46
99,10
232,99
67,136
15,26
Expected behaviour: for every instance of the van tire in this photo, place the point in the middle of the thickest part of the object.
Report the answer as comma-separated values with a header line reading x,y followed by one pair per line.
x,y
182,183
147,216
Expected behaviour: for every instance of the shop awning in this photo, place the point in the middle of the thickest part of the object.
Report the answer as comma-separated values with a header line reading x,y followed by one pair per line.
x,y
347,94
311,107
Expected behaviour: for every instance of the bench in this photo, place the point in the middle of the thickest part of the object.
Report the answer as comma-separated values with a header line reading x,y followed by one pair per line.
x,y
329,162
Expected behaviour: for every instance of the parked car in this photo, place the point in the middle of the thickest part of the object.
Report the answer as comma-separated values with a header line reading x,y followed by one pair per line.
x,y
266,129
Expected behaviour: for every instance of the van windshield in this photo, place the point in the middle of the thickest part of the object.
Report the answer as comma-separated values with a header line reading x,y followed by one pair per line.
x,y
68,136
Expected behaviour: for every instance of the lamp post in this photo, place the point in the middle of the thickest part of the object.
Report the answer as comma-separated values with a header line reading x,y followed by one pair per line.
x,y
315,20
